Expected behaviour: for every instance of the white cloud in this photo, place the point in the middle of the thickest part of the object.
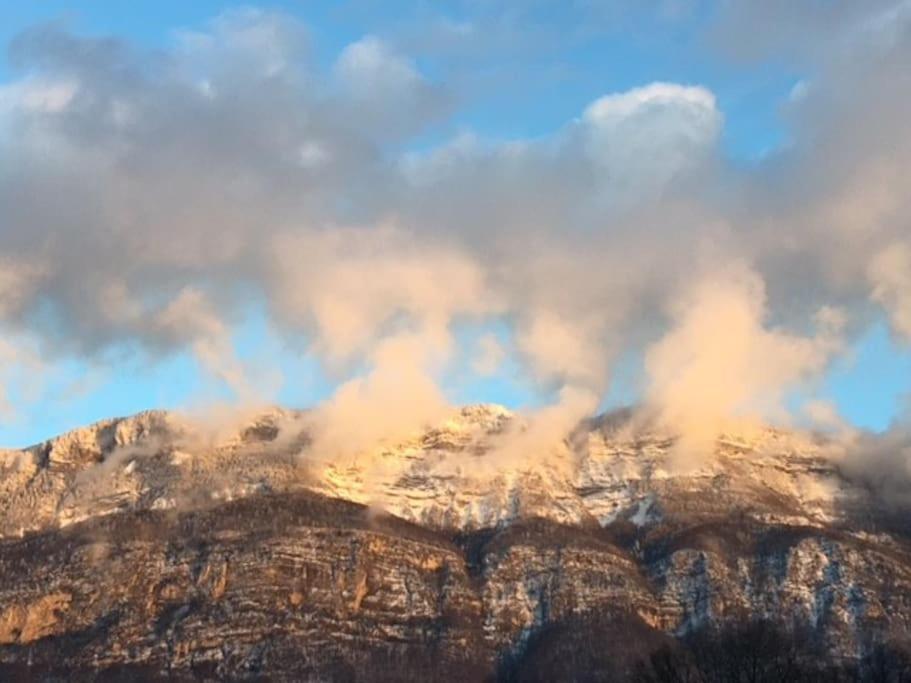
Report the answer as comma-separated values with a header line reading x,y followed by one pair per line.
x,y
890,276
641,139
38,95
387,90
490,355
370,68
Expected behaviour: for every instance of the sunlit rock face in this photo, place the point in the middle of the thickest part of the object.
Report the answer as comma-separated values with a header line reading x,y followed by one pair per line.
x,y
158,546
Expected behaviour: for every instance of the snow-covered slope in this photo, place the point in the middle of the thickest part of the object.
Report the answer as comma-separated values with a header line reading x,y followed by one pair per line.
x,y
455,475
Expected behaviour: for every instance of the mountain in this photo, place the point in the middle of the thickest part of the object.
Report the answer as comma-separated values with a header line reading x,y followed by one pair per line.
x,y
154,547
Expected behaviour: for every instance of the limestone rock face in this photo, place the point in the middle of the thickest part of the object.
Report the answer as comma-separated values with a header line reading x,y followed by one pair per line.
x,y
149,547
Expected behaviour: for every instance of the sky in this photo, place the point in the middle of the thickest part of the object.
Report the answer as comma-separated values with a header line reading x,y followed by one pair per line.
x,y
385,208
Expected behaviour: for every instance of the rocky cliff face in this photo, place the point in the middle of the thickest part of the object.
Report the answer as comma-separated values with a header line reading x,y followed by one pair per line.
x,y
148,547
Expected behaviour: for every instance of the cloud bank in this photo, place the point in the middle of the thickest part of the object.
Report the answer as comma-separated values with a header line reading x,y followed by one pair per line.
x,y
149,199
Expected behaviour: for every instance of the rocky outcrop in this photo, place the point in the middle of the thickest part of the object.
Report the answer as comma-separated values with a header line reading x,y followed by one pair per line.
x,y
295,585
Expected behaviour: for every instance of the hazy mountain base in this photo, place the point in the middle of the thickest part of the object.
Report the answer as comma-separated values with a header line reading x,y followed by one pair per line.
x,y
292,584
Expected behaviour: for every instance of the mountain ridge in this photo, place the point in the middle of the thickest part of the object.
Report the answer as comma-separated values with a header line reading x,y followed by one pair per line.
x,y
174,550
412,477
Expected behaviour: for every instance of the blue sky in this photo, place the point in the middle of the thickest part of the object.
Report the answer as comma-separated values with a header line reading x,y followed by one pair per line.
x,y
538,67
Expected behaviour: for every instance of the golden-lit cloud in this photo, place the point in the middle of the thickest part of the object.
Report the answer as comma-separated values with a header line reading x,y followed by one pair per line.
x,y
721,361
